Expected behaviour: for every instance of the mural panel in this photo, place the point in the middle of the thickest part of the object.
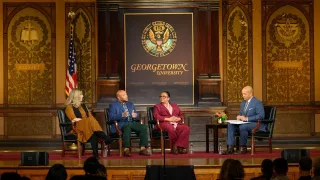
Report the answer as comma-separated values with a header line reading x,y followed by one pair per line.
x,y
29,57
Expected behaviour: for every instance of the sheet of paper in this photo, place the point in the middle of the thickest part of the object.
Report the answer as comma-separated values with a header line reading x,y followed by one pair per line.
x,y
236,122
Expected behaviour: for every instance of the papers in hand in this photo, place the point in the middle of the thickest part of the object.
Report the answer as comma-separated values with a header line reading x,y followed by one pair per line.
x,y
236,122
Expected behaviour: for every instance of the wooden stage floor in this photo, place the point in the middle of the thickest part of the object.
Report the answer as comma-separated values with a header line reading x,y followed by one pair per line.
x,y
126,168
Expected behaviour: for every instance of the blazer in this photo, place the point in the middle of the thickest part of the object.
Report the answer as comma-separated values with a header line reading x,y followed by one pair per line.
x,y
160,112
115,114
254,112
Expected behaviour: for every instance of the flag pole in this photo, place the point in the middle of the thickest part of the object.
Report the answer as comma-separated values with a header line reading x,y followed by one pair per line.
x,y
71,16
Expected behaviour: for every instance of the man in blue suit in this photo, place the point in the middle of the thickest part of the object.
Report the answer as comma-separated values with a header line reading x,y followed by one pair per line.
x,y
126,115
251,110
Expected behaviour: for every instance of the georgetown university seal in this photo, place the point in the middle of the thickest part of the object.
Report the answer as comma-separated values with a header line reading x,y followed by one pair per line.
x,y
159,38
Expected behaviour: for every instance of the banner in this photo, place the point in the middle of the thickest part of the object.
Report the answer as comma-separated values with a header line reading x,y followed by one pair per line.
x,y
159,57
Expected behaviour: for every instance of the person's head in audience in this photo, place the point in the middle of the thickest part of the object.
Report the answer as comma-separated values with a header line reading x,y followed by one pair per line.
x,y
267,168
91,166
10,176
280,167
305,166
316,168
224,168
231,169
102,171
57,172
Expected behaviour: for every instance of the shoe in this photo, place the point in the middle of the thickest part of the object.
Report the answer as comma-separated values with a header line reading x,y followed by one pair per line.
x,y
230,150
181,150
243,150
144,152
175,150
127,153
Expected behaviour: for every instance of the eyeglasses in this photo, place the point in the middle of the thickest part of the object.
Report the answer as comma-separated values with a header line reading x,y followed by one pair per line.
x,y
163,96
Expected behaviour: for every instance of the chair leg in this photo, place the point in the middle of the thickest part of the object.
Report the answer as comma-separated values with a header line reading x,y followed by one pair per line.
x,y
162,144
83,148
102,148
120,146
270,145
109,153
237,143
252,145
79,149
63,149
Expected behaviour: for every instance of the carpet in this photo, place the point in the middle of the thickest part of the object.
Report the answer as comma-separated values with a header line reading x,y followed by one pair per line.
x,y
115,155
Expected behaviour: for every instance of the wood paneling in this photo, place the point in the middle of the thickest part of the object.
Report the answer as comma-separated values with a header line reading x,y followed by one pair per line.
x,y
138,173
111,36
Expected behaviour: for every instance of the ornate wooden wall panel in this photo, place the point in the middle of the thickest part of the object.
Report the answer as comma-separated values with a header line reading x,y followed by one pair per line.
x,y
29,54
237,48
288,75
29,126
294,123
85,46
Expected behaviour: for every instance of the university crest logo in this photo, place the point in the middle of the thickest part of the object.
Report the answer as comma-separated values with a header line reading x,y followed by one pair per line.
x,y
159,38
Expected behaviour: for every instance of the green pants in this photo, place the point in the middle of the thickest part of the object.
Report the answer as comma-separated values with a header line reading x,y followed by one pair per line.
x,y
141,129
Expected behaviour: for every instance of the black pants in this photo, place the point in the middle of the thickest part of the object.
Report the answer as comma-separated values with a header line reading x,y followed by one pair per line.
x,y
94,141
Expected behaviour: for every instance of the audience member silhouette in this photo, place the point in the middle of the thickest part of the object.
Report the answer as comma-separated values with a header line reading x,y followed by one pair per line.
x,y
316,169
10,176
280,169
305,166
266,170
231,170
57,172
102,171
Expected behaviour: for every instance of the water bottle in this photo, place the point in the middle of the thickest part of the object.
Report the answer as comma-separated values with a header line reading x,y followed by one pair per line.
x,y
220,148
149,149
105,152
191,148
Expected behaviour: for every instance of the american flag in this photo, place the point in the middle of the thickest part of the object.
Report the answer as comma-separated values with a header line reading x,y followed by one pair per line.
x,y
71,76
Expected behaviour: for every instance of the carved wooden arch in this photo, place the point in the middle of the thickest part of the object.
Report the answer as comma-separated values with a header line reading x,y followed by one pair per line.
x,y
309,17
227,10
29,5
86,10
244,10
48,11
282,4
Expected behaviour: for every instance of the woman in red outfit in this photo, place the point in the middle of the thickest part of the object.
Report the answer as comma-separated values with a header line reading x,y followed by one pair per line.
x,y
170,117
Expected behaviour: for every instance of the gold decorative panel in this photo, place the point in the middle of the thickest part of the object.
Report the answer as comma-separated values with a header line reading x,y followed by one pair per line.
x,y
84,39
29,126
237,47
29,54
294,123
288,54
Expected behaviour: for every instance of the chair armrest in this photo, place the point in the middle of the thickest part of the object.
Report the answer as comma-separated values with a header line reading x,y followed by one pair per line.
x,y
119,132
256,128
266,121
65,124
158,124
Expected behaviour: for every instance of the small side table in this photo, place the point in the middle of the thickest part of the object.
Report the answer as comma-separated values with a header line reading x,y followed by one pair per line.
x,y
215,128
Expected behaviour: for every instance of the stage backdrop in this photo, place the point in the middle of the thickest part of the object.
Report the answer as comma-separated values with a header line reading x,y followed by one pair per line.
x,y
159,57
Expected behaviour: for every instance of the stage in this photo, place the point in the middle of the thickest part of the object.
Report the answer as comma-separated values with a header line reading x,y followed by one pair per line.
x,y
207,165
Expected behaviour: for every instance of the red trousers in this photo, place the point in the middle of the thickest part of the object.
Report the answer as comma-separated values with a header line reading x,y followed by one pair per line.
x,y
179,136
